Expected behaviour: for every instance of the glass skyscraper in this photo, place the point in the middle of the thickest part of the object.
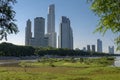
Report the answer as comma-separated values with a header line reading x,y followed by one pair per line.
x,y
65,38
99,46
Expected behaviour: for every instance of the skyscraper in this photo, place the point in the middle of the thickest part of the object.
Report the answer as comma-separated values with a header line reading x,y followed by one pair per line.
x,y
39,38
28,33
88,48
39,31
93,48
111,49
84,49
51,26
65,38
99,46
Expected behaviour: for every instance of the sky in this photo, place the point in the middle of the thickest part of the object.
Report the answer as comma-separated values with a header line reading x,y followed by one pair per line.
x,y
83,21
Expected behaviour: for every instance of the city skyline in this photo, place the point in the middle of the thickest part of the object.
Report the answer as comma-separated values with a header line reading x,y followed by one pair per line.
x,y
83,21
39,38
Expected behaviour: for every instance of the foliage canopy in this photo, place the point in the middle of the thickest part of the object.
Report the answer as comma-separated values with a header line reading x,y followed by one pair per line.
x,y
7,14
109,13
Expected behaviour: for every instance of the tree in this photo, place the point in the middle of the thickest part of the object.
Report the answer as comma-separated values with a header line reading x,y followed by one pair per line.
x,y
7,14
109,13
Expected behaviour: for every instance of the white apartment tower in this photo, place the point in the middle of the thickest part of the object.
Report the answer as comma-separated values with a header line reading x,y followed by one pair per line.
x,y
65,38
28,33
99,46
51,26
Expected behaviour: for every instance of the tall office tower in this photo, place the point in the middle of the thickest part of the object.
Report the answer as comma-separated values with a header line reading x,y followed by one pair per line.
x,y
84,49
88,48
28,33
39,31
65,38
111,49
99,46
93,48
51,26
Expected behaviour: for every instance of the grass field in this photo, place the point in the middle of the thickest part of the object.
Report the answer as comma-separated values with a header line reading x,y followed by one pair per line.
x,y
57,69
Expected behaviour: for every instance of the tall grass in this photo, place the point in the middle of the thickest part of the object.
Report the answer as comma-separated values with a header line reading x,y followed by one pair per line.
x,y
64,69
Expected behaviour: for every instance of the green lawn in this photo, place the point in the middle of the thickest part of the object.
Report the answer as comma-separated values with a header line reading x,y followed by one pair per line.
x,y
69,69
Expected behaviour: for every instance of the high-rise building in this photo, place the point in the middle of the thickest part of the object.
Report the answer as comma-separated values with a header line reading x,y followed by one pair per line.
x,y
65,38
111,49
39,31
39,38
28,33
51,26
99,46
88,48
93,48
84,49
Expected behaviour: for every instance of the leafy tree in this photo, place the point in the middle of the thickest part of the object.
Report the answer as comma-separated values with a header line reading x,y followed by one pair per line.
x,y
7,14
109,13
8,49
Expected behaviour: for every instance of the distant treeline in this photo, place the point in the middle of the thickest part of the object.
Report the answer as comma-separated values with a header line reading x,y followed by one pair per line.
x,y
8,49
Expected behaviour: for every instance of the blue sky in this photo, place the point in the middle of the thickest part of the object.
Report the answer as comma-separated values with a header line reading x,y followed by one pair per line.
x,y
83,20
